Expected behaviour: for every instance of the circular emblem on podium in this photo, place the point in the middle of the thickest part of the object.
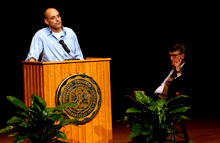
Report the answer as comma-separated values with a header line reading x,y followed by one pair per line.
x,y
82,90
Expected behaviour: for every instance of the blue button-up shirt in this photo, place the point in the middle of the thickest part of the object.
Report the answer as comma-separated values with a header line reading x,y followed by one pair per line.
x,y
46,45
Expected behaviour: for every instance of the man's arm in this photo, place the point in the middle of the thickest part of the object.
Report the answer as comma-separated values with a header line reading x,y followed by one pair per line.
x,y
35,49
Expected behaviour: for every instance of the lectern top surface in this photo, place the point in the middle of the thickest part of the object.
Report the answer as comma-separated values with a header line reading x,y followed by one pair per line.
x,y
89,59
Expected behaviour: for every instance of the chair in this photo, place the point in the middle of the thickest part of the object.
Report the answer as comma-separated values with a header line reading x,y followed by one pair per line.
x,y
178,132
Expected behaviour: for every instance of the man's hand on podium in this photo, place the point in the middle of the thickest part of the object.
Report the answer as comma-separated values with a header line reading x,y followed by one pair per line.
x,y
32,60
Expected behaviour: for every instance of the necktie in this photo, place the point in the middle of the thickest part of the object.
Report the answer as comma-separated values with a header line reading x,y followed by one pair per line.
x,y
164,94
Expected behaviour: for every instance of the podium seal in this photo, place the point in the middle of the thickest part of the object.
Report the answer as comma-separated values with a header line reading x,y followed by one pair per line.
x,y
82,90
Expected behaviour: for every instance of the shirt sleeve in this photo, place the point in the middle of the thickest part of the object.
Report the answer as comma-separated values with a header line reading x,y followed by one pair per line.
x,y
36,48
77,52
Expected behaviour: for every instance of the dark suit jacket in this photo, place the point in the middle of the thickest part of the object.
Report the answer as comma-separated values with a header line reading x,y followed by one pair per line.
x,y
180,84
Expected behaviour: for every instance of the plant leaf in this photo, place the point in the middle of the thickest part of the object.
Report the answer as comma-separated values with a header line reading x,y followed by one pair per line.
x,y
56,117
38,105
144,99
133,110
61,135
24,114
181,109
23,124
70,121
135,131
63,106
177,97
38,110
148,138
50,109
146,132
58,141
19,139
7,129
181,117
14,119
13,134
161,102
40,100
17,102
152,108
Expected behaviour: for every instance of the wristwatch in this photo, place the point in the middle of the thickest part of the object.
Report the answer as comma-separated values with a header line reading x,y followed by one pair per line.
x,y
178,71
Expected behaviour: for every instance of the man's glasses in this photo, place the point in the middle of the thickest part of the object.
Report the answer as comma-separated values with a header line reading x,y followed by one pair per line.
x,y
173,55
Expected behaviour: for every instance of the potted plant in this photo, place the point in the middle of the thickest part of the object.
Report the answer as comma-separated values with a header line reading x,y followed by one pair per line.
x,y
150,120
38,123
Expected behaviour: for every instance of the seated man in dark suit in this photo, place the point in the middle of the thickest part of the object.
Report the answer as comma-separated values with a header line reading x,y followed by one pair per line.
x,y
176,81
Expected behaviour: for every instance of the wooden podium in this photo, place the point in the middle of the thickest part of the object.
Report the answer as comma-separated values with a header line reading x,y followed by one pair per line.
x,y
43,79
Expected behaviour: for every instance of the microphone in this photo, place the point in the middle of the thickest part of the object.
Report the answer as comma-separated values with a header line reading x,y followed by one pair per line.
x,y
67,49
64,46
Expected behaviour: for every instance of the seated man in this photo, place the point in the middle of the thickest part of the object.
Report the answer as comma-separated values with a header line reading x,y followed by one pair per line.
x,y
45,45
175,83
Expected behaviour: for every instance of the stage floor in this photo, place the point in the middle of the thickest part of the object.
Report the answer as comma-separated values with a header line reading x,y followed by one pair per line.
x,y
200,130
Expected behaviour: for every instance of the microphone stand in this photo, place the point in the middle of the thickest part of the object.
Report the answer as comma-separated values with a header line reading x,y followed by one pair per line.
x,y
72,57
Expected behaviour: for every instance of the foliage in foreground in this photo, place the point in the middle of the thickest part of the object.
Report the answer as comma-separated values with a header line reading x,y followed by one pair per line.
x,y
150,120
37,124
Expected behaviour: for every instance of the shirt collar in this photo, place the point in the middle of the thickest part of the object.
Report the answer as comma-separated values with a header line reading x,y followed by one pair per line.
x,y
182,65
49,31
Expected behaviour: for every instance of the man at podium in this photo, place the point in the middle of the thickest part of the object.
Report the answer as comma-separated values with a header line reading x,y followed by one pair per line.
x,y
55,42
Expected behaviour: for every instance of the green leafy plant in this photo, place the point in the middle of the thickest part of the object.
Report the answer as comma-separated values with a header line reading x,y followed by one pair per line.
x,y
37,124
150,120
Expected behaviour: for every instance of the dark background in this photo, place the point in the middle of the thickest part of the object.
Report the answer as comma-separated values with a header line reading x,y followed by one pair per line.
x,y
135,35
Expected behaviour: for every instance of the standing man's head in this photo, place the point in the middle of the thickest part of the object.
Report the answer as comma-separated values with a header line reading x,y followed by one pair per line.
x,y
177,54
53,19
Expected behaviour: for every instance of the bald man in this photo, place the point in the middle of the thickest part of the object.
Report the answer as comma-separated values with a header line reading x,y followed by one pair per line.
x,y
45,45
